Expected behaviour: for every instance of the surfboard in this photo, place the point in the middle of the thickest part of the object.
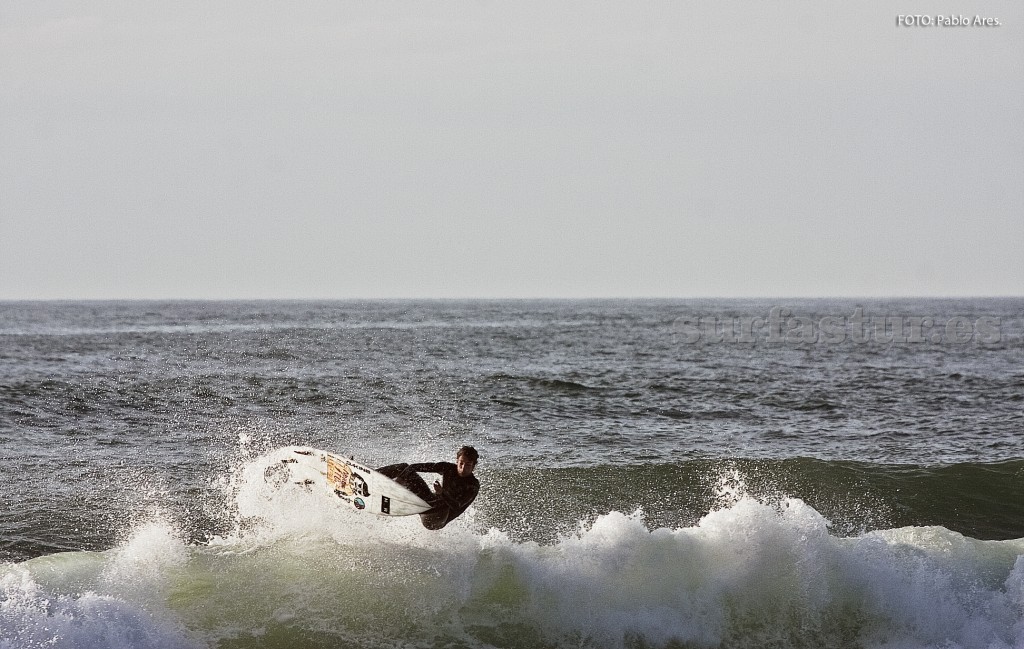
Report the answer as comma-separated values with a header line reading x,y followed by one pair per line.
x,y
354,484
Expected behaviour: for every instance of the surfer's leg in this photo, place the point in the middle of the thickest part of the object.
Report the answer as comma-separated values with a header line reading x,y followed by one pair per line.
x,y
411,480
393,470
417,485
434,519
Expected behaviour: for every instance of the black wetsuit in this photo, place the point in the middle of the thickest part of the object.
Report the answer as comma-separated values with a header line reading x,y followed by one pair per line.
x,y
456,493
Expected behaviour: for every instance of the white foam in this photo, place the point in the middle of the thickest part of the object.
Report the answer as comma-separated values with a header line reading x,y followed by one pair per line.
x,y
34,616
749,574
757,573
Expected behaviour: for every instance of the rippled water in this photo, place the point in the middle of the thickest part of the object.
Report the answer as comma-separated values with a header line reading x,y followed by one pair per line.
x,y
125,427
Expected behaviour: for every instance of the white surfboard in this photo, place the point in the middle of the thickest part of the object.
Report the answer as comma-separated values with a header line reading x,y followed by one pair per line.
x,y
356,485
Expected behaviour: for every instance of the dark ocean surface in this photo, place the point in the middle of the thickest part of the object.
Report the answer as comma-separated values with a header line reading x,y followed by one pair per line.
x,y
700,473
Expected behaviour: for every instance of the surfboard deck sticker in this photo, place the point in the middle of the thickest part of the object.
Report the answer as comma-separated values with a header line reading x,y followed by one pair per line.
x,y
358,486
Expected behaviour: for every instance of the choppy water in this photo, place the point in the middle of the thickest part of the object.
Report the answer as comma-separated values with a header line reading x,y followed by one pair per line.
x,y
644,484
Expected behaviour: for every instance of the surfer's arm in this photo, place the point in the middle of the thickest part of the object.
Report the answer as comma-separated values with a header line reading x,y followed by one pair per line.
x,y
456,499
430,467
433,467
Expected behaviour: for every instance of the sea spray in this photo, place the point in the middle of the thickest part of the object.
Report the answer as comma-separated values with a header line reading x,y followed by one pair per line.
x,y
306,572
86,600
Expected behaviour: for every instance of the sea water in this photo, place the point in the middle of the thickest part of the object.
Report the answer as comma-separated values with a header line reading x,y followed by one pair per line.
x,y
654,473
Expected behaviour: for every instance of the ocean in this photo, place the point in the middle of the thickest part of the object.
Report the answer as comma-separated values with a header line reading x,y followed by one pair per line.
x,y
655,473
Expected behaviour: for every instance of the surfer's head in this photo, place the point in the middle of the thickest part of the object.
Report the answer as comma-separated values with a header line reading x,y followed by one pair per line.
x,y
465,460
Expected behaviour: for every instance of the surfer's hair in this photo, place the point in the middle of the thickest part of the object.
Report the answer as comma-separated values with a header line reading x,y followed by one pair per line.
x,y
469,453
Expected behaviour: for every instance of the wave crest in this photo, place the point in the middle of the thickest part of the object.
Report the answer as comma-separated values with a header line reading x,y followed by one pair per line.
x,y
299,572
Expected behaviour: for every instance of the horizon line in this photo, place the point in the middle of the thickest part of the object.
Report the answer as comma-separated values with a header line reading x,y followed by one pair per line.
x,y
578,298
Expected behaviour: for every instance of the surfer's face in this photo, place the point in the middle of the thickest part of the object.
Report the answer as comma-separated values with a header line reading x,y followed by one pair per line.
x,y
464,466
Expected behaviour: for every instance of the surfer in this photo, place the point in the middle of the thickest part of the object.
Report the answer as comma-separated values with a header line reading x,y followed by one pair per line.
x,y
451,495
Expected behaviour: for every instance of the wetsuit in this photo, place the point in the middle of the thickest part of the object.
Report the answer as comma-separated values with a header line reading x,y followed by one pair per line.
x,y
456,493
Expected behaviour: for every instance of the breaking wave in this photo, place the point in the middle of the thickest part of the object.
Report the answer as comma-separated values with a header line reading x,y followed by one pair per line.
x,y
298,570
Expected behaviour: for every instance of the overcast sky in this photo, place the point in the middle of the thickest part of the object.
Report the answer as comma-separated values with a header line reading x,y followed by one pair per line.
x,y
534,148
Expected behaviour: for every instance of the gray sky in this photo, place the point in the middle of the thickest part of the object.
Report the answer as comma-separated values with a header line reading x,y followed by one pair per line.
x,y
522,149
